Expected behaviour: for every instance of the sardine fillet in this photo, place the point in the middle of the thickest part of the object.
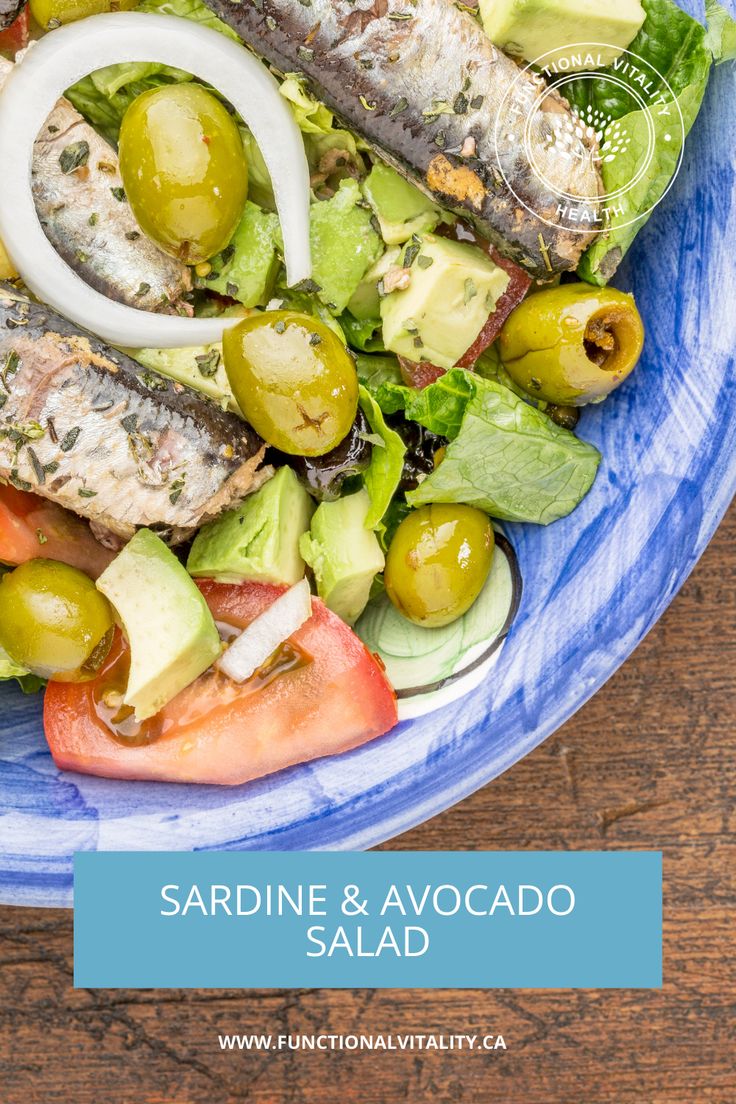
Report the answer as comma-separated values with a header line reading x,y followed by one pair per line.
x,y
88,221
89,428
419,79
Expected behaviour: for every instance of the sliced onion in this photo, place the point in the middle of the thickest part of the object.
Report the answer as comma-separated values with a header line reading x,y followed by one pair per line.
x,y
262,637
70,53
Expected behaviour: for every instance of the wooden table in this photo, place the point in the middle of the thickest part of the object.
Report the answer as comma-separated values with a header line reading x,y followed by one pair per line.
x,y
649,763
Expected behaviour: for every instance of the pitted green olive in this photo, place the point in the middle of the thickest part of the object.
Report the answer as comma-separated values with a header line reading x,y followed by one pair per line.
x,y
573,344
184,170
54,621
293,379
438,562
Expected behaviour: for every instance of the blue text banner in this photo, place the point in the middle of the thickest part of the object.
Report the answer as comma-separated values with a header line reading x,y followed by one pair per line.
x,y
361,920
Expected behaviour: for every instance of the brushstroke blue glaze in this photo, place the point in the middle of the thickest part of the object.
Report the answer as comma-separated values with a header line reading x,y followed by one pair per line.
x,y
595,583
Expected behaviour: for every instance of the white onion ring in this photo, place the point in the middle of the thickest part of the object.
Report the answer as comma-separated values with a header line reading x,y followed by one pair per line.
x,y
70,53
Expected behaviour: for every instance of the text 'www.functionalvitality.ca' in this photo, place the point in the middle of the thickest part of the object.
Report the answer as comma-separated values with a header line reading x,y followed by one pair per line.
x,y
362,1042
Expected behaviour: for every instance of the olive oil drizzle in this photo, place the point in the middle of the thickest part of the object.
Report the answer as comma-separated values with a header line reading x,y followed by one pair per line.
x,y
120,721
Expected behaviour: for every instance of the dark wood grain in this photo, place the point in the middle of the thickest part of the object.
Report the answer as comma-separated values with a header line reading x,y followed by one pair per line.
x,y
650,762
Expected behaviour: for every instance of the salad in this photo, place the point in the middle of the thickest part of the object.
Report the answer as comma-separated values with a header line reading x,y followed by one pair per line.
x,y
287,333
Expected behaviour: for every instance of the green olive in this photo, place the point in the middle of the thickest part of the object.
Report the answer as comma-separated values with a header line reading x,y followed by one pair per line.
x,y
438,562
572,344
293,379
50,13
54,621
184,170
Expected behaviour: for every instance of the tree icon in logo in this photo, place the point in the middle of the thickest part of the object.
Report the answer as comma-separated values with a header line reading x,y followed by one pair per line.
x,y
589,133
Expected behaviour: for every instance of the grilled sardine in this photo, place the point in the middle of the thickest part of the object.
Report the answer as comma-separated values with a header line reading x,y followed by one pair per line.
x,y
9,11
87,427
424,85
81,205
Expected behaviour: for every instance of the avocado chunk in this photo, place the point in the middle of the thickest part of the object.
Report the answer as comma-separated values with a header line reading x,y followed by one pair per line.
x,y
401,209
200,367
453,287
259,540
172,636
344,245
247,269
344,556
531,28
365,302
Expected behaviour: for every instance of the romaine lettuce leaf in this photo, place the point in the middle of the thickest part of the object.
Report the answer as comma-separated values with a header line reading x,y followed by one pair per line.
x,y
28,683
363,333
675,46
440,407
103,97
195,10
383,474
720,37
511,461
317,124
381,376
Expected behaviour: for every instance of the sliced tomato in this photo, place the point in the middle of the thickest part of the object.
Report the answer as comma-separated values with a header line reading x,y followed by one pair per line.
x,y
419,375
333,699
15,37
517,287
31,527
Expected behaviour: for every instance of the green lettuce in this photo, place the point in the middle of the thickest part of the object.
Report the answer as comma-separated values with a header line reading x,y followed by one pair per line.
x,y
676,47
381,376
721,34
317,124
511,461
363,333
195,10
104,96
440,407
28,683
383,475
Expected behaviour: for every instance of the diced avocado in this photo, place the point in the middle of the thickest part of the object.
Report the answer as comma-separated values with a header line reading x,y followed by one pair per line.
x,y
365,302
344,556
200,367
173,638
344,244
532,28
401,209
249,274
453,288
260,539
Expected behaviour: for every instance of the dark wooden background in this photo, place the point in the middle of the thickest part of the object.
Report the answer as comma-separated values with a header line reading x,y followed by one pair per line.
x,y
648,763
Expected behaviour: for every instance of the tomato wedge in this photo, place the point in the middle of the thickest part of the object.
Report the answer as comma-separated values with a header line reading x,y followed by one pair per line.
x,y
31,527
517,287
15,37
332,699
419,375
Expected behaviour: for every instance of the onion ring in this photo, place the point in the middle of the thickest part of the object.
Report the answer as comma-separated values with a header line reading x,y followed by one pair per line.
x,y
70,53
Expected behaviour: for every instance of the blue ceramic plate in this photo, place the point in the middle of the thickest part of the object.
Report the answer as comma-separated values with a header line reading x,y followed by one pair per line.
x,y
595,583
